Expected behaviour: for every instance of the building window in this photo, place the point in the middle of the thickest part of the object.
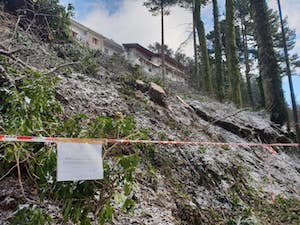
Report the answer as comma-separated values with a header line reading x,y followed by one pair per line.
x,y
95,41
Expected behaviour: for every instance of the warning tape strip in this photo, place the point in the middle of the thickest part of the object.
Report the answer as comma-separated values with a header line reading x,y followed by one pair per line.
x,y
269,147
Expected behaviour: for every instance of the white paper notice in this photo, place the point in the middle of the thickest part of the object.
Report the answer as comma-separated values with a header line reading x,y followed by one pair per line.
x,y
78,161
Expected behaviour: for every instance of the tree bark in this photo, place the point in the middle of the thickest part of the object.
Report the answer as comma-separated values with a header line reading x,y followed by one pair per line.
x,y
203,47
231,55
246,56
163,70
261,91
268,64
242,128
197,75
218,52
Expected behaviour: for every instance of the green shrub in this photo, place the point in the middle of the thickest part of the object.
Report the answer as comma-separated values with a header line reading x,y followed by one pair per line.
x,y
76,52
45,18
30,108
90,64
30,215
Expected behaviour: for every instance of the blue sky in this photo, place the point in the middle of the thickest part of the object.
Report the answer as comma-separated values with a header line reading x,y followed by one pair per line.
x,y
83,7
129,21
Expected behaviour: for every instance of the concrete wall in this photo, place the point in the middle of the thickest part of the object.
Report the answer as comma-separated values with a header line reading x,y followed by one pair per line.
x,y
152,66
111,50
147,66
172,72
86,37
94,40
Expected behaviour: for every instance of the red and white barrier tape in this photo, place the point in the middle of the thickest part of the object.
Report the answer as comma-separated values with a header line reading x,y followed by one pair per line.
x,y
268,147
8,138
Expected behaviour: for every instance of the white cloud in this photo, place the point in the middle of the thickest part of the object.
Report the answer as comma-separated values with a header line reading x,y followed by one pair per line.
x,y
290,8
132,23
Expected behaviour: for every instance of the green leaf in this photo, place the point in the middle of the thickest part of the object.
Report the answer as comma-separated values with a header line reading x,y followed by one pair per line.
x,y
128,205
127,189
106,214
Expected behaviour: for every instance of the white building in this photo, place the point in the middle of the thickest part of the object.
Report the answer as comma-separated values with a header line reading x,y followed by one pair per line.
x,y
94,40
151,62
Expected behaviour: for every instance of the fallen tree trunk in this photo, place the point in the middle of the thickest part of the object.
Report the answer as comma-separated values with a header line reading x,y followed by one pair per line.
x,y
245,131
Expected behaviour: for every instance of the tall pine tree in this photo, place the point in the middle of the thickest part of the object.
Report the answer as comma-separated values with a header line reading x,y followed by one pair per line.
x,y
156,7
231,55
242,9
268,64
218,52
203,46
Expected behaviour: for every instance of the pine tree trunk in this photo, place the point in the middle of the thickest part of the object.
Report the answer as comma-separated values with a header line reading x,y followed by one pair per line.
x,y
197,79
246,56
218,52
268,64
289,73
231,55
261,91
203,47
163,70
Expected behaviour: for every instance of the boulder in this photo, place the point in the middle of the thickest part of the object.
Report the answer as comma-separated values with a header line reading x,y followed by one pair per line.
x,y
141,85
157,94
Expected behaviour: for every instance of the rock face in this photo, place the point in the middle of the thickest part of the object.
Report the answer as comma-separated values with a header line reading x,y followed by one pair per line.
x,y
157,94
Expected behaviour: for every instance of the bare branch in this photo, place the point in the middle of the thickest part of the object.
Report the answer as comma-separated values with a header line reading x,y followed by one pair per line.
x,y
62,66
12,168
184,43
15,31
225,117
17,157
19,61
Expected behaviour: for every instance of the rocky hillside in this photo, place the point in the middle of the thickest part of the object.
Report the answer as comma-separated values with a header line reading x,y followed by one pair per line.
x,y
174,184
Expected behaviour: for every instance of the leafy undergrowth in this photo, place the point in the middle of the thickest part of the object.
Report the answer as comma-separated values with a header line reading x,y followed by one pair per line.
x,y
253,207
29,107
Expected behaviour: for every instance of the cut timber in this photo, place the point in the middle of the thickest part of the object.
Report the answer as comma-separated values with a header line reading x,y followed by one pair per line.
x,y
141,85
61,66
157,94
185,104
10,55
243,130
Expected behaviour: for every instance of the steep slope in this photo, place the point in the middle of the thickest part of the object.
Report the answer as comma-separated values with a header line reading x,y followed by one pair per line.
x,y
195,183
175,184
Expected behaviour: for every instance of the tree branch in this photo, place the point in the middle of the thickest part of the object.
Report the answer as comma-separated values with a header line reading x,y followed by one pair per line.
x,y
19,61
225,117
62,66
15,30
